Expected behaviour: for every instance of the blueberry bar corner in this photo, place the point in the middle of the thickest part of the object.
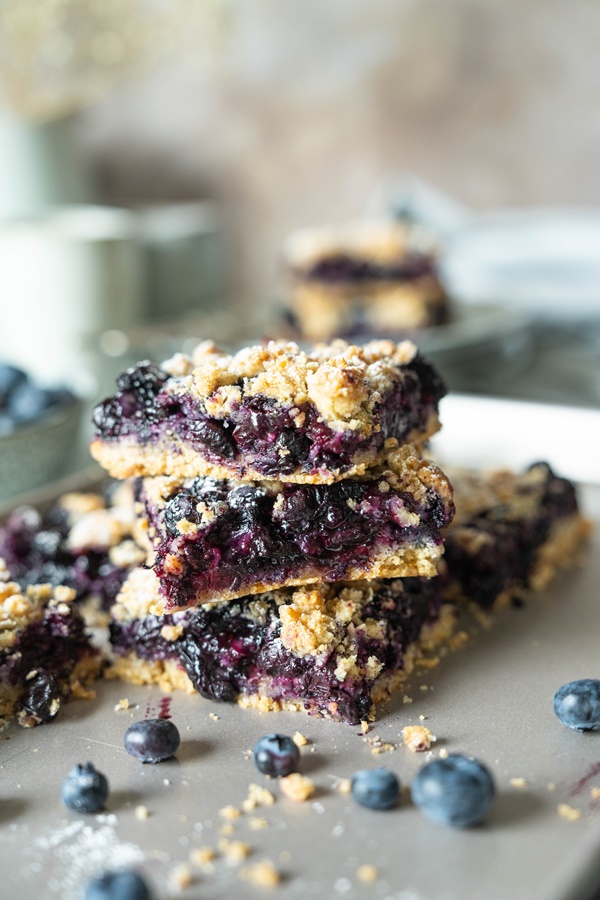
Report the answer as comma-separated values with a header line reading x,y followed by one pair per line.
x,y
268,412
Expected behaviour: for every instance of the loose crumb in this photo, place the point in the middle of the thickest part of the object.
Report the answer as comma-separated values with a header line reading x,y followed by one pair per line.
x,y
518,782
551,786
213,716
568,812
418,738
141,813
257,796
261,874
443,753
595,793
407,699
423,687
367,873
257,823
296,787
202,856
227,829
364,727
422,718
344,786
182,877
234,851
230,812
122,704
299,740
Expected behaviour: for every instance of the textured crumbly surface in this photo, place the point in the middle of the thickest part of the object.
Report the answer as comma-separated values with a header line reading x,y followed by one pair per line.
x,y
45,655
511,532
328,649
383,524
84,541
332,399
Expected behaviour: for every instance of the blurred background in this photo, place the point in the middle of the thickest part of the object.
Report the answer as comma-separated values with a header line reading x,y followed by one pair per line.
x,y
155,157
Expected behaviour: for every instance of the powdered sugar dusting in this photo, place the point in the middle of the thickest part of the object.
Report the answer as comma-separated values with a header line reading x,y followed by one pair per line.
x,y
79,851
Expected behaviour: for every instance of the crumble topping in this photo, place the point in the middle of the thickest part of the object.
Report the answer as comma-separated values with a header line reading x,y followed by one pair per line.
x,y
383,241
261,874
418,738
299,740
234,851
296,787
257,796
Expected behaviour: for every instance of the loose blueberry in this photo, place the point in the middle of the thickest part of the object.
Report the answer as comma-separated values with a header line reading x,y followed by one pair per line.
x,y
577,704
276,754
84,789
152,740
125,885
376,788
455,791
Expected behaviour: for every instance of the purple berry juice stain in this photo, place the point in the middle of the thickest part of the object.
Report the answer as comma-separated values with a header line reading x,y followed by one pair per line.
x,y
164,708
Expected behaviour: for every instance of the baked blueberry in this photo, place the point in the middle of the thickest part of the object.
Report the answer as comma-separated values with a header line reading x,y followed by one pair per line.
x,y
577,704
276,754
376,788
152,740
458,791
125,885
84,789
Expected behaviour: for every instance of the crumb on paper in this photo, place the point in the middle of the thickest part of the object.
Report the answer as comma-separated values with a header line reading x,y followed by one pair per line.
x,y
257,796
418,738
257,823
595,793
459,640
213,716
367,873
344,786
423,687
141,813
230,812
261,874
299,740
181,877
227,829
234,851
364,726
379,746
518,782
296,787
568,812
122,704
202,857
407,699
443,753
422,718
551,786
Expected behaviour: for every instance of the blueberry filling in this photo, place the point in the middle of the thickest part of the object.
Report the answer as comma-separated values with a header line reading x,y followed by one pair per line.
x,y
34,549
260,536
506,559
42,659
259,431
227,650
343,267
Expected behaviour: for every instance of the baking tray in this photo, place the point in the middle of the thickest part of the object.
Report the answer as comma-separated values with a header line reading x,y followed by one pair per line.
x,y
493,699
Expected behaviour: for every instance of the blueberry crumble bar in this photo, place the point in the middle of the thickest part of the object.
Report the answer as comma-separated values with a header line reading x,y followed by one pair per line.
x,y
366,278
271,411
219,540
511,533
332,650
45,654
84,541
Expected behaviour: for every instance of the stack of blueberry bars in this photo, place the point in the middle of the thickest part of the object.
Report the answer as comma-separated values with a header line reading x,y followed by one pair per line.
x,y
284,502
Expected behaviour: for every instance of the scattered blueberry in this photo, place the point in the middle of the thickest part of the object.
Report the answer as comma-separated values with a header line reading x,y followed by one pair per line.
x,y
22,400
84,789
276,754
28,402
376,788
152,740
125,885
10,378
455,791
577,704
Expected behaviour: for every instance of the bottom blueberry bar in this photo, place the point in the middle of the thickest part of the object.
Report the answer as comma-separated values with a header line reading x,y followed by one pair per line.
x,y
511,533
45,654
332,650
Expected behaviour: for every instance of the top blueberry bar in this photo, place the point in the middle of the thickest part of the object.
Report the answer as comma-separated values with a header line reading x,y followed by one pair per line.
x,y
272,411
